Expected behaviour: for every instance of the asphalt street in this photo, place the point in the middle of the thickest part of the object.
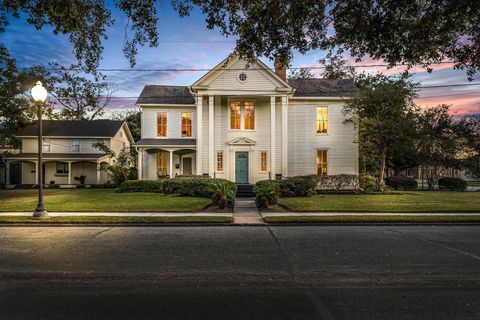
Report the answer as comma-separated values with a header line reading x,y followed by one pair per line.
x,y
289,272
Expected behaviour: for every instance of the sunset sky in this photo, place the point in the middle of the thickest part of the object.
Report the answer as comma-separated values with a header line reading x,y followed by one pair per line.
x,y
186,43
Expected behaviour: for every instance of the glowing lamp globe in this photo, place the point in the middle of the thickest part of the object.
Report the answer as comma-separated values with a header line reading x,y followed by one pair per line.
x,y
39,93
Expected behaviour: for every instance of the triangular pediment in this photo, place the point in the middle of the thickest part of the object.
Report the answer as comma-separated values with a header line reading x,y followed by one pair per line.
x,y
225,76
242,141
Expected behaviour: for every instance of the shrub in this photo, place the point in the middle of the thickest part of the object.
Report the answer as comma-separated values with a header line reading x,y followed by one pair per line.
x,y
401,183
297,187
267,193
453,184
338,181
368,183
141,186
222,191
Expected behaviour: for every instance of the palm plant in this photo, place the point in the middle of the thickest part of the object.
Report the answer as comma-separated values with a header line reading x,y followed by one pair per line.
x,y
221,190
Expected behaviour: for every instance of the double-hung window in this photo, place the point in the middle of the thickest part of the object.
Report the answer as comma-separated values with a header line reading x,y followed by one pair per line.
x,y
322,120
161,124
186,124
62,168
322,162
46,145
242,115
75,145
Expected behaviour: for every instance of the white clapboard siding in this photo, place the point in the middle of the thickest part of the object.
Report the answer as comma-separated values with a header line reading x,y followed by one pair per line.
x,y
340,141
174,121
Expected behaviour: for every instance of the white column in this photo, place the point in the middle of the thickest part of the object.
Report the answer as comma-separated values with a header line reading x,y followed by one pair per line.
x,y
199,135
7,172
98,172
140,163
36,172
69,172
171,164
211,136
272,137
284,136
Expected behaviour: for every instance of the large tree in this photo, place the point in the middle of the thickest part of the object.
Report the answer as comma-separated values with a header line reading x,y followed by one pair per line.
x,y
133,119
384,113
471,160
81,96
441,142
410,32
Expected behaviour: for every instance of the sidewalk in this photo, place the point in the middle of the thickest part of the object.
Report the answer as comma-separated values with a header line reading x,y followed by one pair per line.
x,y
246,212
327,214
124,214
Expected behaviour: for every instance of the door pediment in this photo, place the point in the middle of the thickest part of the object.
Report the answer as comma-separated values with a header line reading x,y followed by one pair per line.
x,y
242,141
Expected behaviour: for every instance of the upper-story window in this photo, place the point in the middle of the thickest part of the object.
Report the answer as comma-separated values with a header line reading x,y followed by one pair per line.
x,y
75,145
242,110
46,145
235,115
186,124
322,119
161,124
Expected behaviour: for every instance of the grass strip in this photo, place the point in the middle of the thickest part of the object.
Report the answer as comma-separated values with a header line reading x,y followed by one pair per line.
x,y
113,220
372,219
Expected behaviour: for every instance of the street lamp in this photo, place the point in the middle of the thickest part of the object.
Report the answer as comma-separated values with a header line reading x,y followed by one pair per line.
x,y
39,94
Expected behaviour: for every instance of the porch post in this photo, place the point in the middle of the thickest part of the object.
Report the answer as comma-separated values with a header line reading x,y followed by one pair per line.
x,y
69,172
272,137
7,172
199,135
98,172
211,136
140,163
284,136
171,164
36,172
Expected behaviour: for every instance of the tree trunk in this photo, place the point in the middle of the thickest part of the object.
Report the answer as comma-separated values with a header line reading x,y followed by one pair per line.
x,y
381,174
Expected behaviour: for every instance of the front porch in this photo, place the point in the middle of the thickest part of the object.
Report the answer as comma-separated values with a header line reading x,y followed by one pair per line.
x,y
58,169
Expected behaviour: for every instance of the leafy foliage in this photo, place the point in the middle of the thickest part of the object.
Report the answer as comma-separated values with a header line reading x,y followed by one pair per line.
x,y
267,193
401,183
452,184
297,187
368,183
123,164
222,191
133,119
338,181
141,186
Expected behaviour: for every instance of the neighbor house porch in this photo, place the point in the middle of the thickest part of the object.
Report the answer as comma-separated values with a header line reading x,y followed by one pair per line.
x,y
58,169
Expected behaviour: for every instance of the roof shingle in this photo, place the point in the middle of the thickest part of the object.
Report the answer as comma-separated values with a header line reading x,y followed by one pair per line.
x,y
71,128
156,94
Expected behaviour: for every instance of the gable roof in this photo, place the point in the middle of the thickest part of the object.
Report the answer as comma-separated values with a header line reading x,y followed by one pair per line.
x,y
71,128
158,94
323,87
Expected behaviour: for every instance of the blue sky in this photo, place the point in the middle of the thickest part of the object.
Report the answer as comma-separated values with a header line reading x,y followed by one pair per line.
x,y
187,43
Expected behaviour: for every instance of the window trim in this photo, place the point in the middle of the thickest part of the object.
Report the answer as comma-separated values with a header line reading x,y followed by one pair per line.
x,y
217,162
327,150
327,121
166,124
181,124
46,143
266,161
242,113
73,145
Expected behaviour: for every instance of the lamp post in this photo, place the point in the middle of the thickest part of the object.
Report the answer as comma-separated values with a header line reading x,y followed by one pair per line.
x,y
39,94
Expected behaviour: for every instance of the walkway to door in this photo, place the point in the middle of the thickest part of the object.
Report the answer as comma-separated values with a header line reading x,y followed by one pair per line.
x,y
246,212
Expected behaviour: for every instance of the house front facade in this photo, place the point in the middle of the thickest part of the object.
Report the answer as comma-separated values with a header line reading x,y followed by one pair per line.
x,y
245,123
69,157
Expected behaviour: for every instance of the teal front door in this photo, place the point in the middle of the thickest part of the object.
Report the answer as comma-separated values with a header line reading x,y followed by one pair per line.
x,y
241,167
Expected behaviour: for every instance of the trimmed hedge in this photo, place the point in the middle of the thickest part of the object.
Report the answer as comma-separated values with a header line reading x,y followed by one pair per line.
x,y
452,184
401,183
141,186
297,187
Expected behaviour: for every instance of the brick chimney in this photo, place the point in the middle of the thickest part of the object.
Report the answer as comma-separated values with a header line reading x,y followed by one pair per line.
x,y
280,68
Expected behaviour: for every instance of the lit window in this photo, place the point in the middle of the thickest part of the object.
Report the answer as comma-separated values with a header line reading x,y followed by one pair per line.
x,y
322,162
62,168
235,115
220,161
162,163
263,161
75,145
249,115
46,145
186,124
162,124
322,119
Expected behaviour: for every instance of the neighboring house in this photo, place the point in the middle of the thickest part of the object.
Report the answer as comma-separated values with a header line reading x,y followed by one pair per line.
x,y
5,147
246,124
419,173
68,154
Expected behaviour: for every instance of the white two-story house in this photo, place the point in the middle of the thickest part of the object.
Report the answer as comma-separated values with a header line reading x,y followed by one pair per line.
x,y
69,157
245,123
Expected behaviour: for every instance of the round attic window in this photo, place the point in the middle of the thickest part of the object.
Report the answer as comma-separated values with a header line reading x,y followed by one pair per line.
x,y
242,77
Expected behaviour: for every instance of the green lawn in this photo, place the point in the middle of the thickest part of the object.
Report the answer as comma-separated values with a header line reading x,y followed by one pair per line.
x,y
98,200
473,183
113,220
372,219
414,201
